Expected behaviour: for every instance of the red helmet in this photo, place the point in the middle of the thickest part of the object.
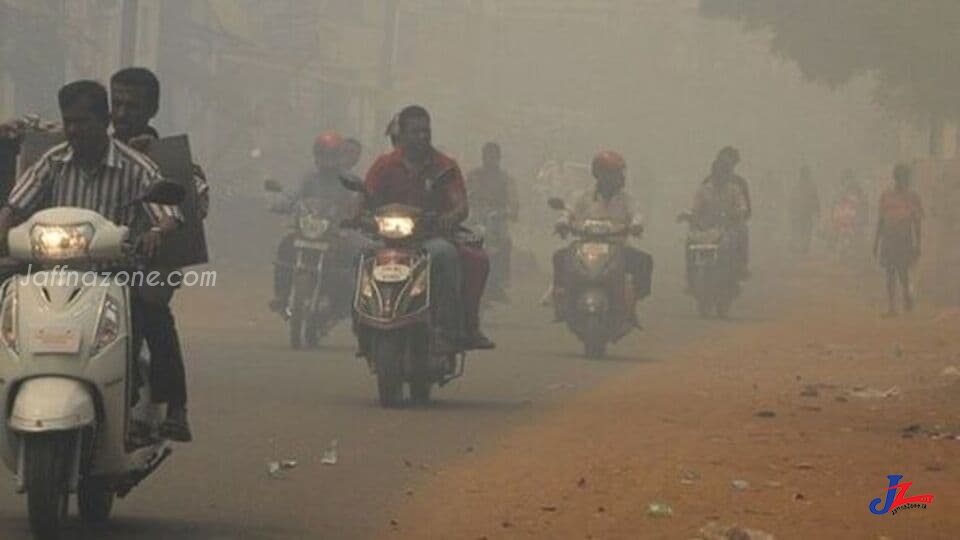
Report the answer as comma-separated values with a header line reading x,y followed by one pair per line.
x,y
328,140
607,160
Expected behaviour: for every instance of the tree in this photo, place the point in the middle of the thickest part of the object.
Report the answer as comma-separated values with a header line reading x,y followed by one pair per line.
x,y
910,47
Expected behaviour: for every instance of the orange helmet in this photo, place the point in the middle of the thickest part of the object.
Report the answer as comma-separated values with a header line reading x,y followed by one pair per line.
x,y
328,140
607,160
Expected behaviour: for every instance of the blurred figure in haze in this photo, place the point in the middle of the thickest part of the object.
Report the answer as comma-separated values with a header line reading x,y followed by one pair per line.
x,y
804,211
897,240
722,173
493,198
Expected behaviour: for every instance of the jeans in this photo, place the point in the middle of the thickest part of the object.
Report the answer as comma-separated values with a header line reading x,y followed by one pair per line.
x,y
445,287
153,321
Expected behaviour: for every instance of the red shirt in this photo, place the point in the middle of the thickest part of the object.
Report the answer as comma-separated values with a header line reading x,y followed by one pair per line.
x,y
393,180
900,209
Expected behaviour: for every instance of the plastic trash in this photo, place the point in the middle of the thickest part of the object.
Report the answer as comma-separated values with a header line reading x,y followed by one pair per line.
x,y
659,509
275,469
331,455
740,485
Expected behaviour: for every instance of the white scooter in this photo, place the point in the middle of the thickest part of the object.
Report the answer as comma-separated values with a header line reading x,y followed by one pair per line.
x,y
67,369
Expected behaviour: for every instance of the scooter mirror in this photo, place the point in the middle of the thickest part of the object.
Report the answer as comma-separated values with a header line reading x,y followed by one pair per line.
x,y
556,203
272,186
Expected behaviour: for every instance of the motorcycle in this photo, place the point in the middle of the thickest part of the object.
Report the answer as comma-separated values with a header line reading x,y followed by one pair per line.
x,y
596,267
314,305
392,307
712,270
68,369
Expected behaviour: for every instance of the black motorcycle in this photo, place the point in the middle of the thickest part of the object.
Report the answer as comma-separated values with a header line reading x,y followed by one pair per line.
x,y
315,303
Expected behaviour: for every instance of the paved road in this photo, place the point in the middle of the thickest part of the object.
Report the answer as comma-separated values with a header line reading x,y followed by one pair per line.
x,y
254,400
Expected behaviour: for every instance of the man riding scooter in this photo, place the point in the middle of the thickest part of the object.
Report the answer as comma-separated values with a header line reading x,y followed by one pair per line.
x,y
460,271
91,158
607,201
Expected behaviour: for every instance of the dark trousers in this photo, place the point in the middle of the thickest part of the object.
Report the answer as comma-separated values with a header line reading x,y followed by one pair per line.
x,y
153,321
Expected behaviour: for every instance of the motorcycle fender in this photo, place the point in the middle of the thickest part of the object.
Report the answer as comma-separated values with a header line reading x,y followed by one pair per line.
x,y
52,404
593,301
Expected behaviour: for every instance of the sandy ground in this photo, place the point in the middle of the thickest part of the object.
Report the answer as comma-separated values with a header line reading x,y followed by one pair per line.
x,y
772,403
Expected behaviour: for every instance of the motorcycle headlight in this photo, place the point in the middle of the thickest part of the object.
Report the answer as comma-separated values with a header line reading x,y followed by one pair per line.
x,y
108,327
59,242
8,318
593,252
312,228
395,227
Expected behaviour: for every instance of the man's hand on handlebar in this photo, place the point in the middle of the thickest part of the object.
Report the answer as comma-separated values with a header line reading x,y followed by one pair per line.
x,y
149,242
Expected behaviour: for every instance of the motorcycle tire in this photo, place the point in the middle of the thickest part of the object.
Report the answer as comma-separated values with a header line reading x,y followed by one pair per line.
x,y
48,456
594,343
296,324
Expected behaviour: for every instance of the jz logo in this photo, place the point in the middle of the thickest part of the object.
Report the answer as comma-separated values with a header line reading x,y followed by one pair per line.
x,y
897,497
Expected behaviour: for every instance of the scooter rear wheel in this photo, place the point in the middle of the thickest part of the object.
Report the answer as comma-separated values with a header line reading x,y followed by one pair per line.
x,y
388,354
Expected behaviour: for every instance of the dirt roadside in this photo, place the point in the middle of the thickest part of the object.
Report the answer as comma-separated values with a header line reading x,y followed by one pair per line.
x,y
807,414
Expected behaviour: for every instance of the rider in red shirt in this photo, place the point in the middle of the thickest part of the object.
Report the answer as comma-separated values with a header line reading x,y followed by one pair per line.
x,y
405,176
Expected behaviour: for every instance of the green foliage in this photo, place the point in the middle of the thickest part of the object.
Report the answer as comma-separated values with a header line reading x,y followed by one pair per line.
x,y
912,47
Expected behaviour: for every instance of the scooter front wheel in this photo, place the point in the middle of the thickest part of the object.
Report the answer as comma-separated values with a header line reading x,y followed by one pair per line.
x,y
48,456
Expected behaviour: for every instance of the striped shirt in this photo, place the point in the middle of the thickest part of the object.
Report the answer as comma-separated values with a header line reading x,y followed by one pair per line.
x,y
57,179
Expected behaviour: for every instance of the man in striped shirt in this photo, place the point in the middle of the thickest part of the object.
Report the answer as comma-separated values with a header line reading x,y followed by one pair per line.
x,y
94,171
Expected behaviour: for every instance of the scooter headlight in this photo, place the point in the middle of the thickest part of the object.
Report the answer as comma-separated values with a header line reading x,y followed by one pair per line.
x,y
8,318
395,227
108,327
60,242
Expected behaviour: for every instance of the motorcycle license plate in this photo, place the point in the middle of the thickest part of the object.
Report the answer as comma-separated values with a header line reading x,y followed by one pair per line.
x,y
391,273
309,244
595,249
55,340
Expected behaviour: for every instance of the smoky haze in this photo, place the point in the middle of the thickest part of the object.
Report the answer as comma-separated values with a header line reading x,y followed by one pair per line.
x,y
253,82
